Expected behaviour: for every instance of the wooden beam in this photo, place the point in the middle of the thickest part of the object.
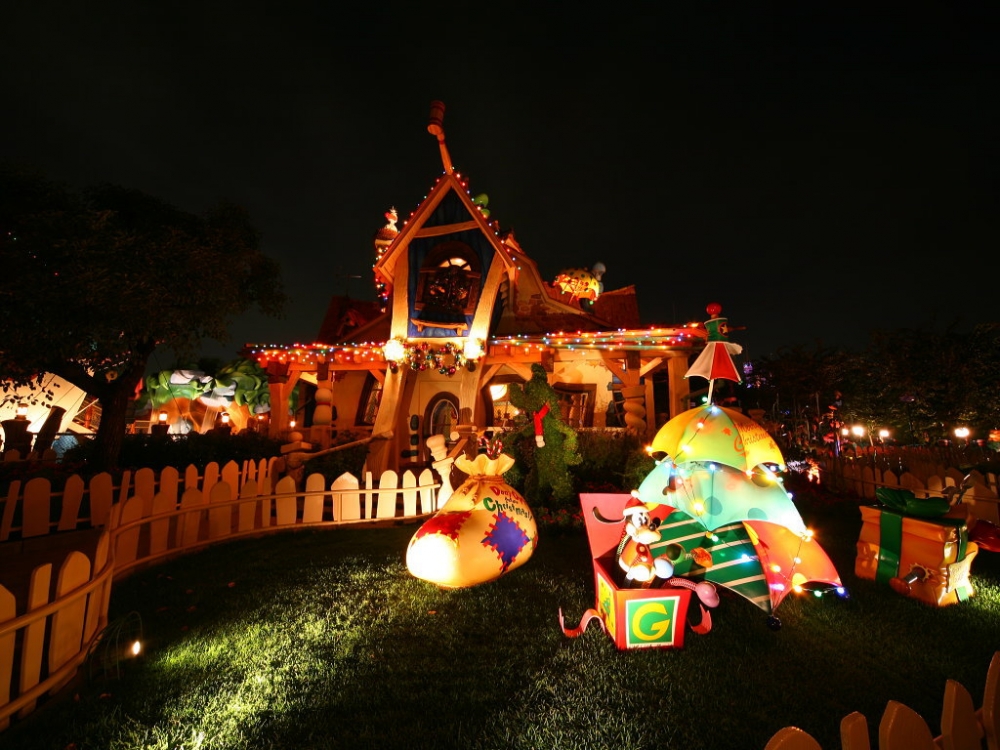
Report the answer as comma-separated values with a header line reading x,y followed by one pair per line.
x,y
650,366
438,230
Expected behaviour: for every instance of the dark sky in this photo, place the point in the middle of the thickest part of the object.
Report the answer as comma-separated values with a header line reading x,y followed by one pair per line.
x,y
819,171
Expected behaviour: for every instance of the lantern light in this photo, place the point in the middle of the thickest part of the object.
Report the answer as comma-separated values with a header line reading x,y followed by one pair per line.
x,y
473,350
22,411
394,351
162,417
225,417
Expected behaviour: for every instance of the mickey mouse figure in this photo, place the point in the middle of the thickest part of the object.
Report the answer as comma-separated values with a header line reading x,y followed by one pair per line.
x,y
633,554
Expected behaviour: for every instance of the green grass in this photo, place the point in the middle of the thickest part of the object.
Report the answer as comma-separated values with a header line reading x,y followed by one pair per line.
x,y
322,639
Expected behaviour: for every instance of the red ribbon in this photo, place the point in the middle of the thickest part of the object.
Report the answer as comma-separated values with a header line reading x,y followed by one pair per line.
x,y
588,617
539,415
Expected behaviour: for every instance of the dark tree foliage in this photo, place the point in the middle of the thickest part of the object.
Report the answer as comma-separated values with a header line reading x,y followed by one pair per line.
x,y
919,383
94,280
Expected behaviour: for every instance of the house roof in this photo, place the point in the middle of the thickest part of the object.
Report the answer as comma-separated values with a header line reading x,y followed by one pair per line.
x,y
344,317
529,305
620,307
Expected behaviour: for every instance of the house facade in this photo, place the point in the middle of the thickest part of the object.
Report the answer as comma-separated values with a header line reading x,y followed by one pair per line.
x,y
462,314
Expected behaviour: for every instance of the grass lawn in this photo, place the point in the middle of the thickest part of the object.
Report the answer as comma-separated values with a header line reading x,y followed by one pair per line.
x,y
322,639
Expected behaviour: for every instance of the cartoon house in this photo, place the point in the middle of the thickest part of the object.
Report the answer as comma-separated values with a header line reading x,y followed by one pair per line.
x,y
462,313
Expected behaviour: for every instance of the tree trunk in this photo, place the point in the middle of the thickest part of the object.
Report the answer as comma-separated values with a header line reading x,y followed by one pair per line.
x,y
115,397
111,431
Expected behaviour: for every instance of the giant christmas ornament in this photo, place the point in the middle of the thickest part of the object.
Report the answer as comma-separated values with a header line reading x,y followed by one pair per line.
x,y
484,530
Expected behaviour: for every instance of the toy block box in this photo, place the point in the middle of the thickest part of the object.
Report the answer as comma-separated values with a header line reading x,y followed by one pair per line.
x,y
927,559
653,617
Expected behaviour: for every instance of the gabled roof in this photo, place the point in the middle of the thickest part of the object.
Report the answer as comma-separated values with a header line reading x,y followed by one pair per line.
x,y
420,225
620,307
344,317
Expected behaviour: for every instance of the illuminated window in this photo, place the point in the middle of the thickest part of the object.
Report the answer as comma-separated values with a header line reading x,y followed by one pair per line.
x,y
576,403
449,281
371,397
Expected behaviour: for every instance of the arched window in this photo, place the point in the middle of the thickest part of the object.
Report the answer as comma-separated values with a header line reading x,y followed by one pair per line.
x,y
449,280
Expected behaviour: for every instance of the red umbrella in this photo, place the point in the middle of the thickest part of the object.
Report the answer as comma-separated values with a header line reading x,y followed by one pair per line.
x,y
789,559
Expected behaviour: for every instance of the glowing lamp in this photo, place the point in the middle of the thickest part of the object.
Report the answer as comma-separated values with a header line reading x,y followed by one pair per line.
x,y
962,432
22,411
136,648
162,417
225,417
393,351
473,350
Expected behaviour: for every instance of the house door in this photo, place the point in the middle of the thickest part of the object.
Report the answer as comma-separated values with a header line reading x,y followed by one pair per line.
x,y
440,418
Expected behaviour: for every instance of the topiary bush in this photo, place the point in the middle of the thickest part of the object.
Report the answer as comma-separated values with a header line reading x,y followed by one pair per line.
x,y
608,456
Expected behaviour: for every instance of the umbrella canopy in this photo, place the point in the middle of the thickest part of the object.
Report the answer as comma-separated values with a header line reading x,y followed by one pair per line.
x,y
758,560
789,560
714,433
580,283
716,495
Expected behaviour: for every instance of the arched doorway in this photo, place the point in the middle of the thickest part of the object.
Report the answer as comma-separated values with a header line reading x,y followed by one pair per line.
x,y
440,418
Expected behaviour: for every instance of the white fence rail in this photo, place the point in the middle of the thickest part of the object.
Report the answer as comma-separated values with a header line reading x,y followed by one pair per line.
x,y
48,626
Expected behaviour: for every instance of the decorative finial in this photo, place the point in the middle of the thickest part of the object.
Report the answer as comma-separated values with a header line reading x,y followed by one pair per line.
x,y
436,128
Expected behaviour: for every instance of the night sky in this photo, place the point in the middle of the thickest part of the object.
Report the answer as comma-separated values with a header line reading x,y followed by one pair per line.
x,y
819,172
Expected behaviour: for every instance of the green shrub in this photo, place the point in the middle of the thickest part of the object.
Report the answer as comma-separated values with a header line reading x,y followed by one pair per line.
x,y
158,451
332,465
611,460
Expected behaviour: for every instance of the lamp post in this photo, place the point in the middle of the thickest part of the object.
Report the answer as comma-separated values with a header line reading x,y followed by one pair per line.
x,y
962,433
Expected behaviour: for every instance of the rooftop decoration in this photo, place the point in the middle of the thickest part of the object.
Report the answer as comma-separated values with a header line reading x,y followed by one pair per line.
x,y
383,239
580,283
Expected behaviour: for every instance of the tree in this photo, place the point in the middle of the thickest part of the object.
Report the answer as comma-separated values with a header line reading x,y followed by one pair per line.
x,y
93,281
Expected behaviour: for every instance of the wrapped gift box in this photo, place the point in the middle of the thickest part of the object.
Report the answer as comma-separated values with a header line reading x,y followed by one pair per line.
x,y
923,558
653,617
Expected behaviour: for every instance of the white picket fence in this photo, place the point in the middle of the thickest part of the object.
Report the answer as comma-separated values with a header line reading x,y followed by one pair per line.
x,y
963,726
862,477
47,635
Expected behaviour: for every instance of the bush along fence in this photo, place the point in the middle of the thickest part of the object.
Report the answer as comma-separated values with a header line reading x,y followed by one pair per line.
x,y
60,552
963,726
